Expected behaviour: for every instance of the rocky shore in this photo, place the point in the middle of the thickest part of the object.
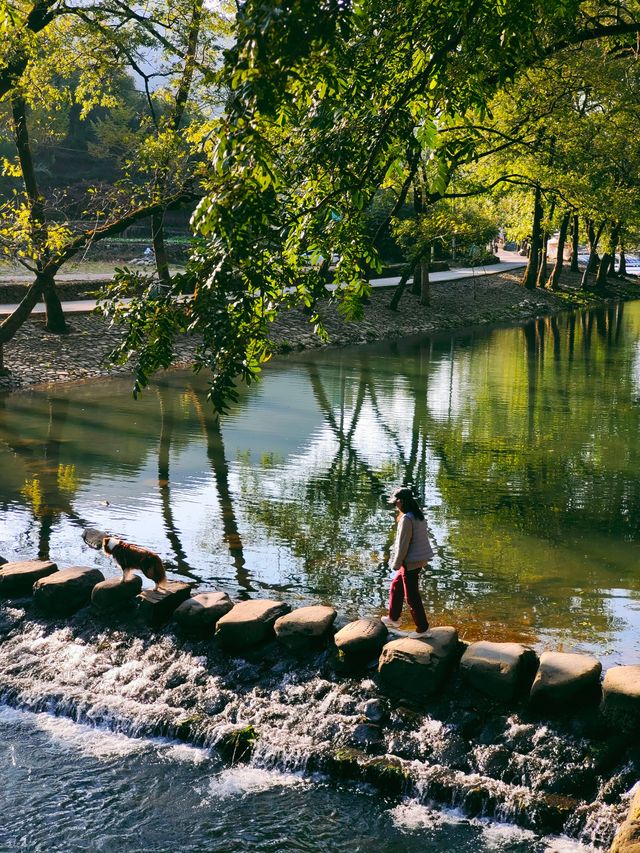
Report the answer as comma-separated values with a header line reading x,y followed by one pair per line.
x,y
36,356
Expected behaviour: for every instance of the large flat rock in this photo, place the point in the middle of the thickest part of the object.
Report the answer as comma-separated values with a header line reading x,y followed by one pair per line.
x,y
621,697
563,678
362,638
499,670
64,592
158,605
249,623
417,667
304,626
116,594
200,613
17,579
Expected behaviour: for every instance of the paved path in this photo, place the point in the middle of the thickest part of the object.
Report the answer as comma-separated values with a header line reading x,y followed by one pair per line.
x,y
509,261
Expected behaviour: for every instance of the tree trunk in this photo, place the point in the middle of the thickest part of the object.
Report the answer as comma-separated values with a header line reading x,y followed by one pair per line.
x,y
603,269
159,248
575,240
418,209
409,270
416,287
529,280
559,265
37,218
615,236
592,263
55,322
12,323
425,285
542,271
622,269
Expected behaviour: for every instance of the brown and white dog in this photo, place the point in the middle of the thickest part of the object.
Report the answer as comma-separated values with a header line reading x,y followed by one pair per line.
x,y
130,557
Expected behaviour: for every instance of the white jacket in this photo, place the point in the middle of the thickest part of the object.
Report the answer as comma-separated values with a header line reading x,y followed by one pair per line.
x,y
412,548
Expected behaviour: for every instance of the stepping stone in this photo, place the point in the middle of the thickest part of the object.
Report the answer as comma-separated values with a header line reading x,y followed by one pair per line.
x,y
563,677
249,623
621,697
500,670
627,838
157,605
62,593
17,579
304,626
417,667
362,638
116,594
199,614
93,537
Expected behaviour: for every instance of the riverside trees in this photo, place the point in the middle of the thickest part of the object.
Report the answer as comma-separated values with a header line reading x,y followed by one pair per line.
x,y
58,59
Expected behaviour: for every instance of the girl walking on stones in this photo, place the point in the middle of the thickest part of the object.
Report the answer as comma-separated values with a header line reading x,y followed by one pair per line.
x,y
411,552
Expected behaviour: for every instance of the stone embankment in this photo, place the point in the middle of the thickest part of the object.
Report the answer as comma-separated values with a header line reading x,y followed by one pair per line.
x,y
411,674
36,356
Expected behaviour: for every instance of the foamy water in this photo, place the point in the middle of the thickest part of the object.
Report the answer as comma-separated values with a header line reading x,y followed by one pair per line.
x,y
250,780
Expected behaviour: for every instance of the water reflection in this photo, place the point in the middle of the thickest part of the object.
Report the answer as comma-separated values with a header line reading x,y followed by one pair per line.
x,y
521,441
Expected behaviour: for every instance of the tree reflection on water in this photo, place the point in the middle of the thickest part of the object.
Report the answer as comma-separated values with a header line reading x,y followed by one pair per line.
x,y
521,442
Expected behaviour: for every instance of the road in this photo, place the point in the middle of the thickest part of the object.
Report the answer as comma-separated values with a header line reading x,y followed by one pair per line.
x,y
508,261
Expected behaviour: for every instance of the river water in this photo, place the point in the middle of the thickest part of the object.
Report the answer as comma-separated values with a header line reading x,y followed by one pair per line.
x,y
522,443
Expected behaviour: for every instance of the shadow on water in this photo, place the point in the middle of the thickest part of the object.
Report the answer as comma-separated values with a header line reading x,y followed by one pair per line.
x,y
521,442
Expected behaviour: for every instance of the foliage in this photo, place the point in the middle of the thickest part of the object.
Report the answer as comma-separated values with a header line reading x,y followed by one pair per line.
x,y
67,80
325,104
468,222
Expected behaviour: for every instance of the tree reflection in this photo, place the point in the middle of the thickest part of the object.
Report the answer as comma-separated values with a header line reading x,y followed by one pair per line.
x,y
50,485
210,425
522,443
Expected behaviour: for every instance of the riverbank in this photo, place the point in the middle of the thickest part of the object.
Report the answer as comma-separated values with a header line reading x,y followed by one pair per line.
x,y
36,356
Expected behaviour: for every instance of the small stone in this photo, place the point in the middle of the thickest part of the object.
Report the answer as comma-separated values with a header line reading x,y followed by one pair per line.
x,y
304,625
93,537
417,667
362,638
249,623
500,670
366,736
621,697
116,593
375,710
562,677
157,605
17,579
199,614
62,593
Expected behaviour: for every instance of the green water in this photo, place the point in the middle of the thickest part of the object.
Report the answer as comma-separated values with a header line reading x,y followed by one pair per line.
x,y
522,442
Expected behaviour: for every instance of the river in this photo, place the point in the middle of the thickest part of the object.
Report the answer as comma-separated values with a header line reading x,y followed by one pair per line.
x,y
522,444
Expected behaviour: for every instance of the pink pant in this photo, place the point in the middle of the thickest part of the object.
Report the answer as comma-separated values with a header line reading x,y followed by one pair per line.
x,y
405,585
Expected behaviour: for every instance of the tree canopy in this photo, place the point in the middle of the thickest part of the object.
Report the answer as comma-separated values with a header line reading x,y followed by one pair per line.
x,y
322,105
